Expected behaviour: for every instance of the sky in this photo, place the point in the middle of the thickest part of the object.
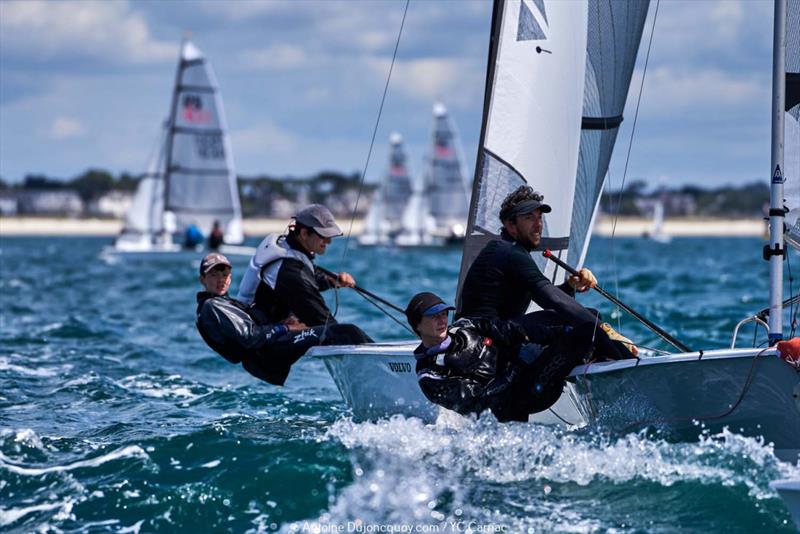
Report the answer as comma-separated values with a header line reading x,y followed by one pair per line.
x,y
87,84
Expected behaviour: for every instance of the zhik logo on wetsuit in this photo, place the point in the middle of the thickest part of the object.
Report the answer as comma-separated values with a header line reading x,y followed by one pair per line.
x,y
304,334
528,28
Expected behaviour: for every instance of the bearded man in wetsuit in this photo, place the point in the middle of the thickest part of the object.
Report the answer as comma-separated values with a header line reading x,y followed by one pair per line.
x,y
266,350
504,279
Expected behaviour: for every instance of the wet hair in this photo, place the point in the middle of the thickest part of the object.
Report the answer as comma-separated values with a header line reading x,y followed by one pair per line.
x,y
523,193
519,195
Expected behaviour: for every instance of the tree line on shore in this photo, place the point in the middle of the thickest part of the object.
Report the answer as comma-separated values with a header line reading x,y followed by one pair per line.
x,y
266,195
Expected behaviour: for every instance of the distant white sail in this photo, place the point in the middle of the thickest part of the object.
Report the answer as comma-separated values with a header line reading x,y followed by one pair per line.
x,y
200,177
791,140
145,216
444,178
396,189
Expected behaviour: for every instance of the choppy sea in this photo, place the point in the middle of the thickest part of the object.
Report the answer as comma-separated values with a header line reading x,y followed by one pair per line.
x,y
115,417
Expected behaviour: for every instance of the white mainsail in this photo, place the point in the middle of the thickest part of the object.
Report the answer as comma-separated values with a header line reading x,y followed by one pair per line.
x,y
396,189
200,179
445,190
384,218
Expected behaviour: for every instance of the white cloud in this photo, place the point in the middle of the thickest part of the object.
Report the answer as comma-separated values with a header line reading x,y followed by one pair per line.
x,y
265,138
456,80
674,89
66,128
277,56
109,31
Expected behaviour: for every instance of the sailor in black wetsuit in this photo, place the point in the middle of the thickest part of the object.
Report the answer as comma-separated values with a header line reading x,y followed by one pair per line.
x,y
265,350
282,281
477,364
503,280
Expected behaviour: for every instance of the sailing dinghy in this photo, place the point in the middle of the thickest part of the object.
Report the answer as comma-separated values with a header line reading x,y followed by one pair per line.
x,y
437,213
385,215
191,179
567,65
558,66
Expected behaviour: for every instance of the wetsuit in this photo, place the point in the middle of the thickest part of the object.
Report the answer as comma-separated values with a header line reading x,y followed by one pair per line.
x,y
266,351
500,284
468,371
215,239
281,280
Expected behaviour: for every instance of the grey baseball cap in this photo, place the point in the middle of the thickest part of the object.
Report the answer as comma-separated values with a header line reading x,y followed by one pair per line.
x,y
320,219
211,261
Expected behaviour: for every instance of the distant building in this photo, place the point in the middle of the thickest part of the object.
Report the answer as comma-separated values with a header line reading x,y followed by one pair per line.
x,y
49,202
112,204
8,203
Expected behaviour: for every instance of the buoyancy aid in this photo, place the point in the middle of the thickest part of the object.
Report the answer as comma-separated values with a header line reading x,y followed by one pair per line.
x,y
265,265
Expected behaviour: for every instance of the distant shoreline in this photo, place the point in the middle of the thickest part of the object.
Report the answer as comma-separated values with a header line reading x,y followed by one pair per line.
x,y
65,226
625,227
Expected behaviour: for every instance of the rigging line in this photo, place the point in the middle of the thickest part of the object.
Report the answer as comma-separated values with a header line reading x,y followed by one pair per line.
x,y
625,171
374,133
386,313
635,118
710,417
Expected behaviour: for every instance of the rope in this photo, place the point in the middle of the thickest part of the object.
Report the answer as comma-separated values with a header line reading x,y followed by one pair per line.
x,y
627,160
374,133
646,422
369,155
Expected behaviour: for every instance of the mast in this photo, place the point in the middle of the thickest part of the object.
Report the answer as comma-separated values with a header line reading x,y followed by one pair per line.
x,y
775,251
494,42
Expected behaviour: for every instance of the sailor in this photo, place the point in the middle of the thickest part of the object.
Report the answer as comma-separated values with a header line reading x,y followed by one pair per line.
x,y
266,350
281,280
503,280
216,237
478,364
192,236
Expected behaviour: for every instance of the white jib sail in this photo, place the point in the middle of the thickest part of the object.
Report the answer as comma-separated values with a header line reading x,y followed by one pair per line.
x,y
200,176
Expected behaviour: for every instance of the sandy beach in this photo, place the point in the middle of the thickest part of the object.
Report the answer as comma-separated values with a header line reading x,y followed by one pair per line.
x,y
51,226
625,226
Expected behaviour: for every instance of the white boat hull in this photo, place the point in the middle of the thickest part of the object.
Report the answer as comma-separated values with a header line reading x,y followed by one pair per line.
x,y
674,394
379,380
789,490
750,391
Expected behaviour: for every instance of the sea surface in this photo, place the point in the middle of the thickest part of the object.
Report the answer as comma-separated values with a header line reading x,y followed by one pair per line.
x,y
115,417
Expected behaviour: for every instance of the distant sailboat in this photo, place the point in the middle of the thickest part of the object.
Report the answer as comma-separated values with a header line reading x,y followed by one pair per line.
x,y
191,180
438,214
657,233
384,219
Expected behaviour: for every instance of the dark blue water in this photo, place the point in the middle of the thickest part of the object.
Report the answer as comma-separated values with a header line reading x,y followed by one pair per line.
x,y
114,416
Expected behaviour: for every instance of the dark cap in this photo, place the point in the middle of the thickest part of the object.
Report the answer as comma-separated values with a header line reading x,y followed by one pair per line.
x,y
422,305
526,206
320,219
211,261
